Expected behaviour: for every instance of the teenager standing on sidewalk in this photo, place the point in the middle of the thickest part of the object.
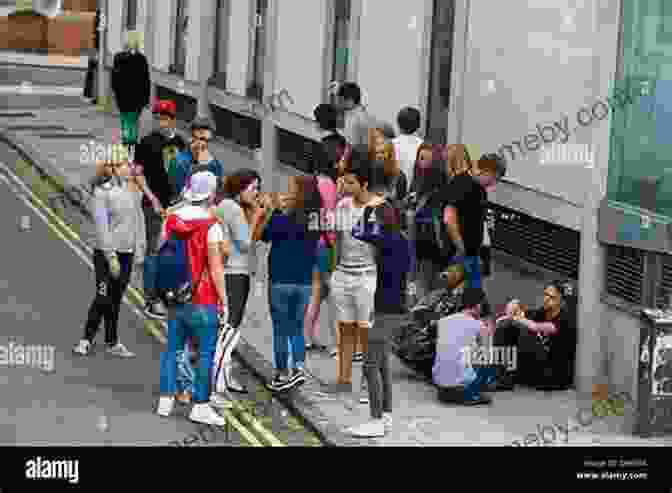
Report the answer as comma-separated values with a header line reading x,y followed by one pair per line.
x,y
394,262
131,86
236,213
120,239
195,224
353,283
285,223
155,153
196,158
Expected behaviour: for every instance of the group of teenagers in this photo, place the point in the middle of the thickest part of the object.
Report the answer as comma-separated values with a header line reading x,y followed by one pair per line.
x,y
381,212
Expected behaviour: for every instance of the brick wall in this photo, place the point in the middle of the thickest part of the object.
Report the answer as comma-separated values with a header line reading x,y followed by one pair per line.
x,y
80,5
66,34
71,33
23,32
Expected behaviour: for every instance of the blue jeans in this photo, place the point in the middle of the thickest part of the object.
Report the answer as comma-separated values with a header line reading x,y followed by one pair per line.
x,y
150,275
483,375
197,321
288,304
472,272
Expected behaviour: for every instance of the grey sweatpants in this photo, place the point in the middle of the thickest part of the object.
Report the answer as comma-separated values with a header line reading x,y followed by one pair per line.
x,y
377,363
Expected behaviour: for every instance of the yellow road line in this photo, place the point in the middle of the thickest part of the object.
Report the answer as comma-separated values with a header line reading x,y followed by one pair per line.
x,y
255,425
61,229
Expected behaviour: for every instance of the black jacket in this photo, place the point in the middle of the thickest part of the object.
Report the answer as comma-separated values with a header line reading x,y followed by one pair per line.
x,y
130,81
150,154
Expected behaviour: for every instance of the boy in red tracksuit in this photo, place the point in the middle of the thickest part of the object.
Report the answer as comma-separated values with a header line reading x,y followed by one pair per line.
x,y
204,236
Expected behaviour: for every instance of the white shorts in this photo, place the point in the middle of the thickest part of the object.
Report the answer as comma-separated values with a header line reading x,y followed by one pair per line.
x,y
353,295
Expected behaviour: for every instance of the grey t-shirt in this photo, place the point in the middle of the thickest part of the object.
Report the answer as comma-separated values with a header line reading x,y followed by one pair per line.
x,y
237,233
354,256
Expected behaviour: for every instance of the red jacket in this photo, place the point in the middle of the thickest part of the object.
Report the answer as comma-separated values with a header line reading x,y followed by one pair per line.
x,y
195,232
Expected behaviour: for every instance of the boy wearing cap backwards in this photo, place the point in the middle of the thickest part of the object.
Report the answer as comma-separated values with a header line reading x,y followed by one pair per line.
x,y
154,154
204,237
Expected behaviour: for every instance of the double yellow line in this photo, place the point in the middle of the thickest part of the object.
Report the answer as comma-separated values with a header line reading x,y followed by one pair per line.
x,y
242,421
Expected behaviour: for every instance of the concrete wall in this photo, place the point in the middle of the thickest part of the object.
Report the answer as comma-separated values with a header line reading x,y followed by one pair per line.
x,y
548,67
390,62
163,25
300,52
239,46
115,27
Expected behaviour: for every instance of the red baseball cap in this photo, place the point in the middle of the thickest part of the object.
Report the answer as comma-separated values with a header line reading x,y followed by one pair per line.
x,y
164,106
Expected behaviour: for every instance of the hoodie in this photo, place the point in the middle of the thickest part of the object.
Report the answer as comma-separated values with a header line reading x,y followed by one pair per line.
x,y
198,228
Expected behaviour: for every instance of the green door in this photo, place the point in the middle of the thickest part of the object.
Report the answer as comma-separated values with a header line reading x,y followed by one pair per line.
x,y
641,135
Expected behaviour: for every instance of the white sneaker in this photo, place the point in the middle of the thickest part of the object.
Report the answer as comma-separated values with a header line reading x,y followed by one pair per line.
x,y
120,350
205,414
387,417
165,406
373,429
82,348
220,401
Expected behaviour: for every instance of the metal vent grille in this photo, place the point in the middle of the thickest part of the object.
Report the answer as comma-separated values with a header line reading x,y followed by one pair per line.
x,y
186,105
538,242
625,273
296,150
244,130
664,288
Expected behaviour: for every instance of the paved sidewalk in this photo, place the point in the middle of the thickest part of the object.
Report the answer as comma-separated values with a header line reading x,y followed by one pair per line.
x,y
419,418
48,60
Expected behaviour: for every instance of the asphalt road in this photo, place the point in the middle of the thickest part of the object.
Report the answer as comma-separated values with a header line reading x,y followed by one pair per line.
x,y
45,291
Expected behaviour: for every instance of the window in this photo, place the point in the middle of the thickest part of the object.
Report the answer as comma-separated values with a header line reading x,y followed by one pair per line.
x,y
130,14
341,41
441,59
255,87
181,31
640,145
221,44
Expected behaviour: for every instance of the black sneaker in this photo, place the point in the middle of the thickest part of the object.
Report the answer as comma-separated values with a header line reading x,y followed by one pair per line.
x,y
479,401
298,377
279,383
358,357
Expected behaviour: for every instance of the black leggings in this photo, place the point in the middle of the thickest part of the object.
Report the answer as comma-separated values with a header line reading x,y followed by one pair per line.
x,y
109,293
237,292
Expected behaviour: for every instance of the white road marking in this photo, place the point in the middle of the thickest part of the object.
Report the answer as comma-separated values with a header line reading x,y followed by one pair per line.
x,y
78,251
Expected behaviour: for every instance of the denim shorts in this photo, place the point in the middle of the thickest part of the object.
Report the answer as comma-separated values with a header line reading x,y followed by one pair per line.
x,y
353,295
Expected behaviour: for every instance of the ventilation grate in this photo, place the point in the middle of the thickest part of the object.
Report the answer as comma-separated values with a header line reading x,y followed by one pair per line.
x,y
664,288
296,150
625,273
538,242
244,130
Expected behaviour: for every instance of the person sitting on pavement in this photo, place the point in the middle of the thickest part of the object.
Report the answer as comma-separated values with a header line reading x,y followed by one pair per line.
x,y
545,339
381,226
196,158
458,380
120,242
155,153
287,224
198,318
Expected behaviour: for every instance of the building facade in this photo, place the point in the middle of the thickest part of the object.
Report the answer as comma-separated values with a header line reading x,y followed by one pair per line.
x,y
510,77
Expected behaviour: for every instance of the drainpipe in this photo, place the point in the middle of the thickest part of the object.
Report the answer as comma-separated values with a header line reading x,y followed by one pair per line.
x,y
268,128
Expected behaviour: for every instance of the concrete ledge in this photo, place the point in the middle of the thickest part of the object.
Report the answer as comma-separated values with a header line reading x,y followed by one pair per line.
x,y
296,401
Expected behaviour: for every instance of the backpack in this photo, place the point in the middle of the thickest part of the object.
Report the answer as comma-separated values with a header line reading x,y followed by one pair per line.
x,y
432,241
175,285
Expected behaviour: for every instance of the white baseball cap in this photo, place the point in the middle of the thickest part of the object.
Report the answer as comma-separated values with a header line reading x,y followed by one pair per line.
x,y
201,186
